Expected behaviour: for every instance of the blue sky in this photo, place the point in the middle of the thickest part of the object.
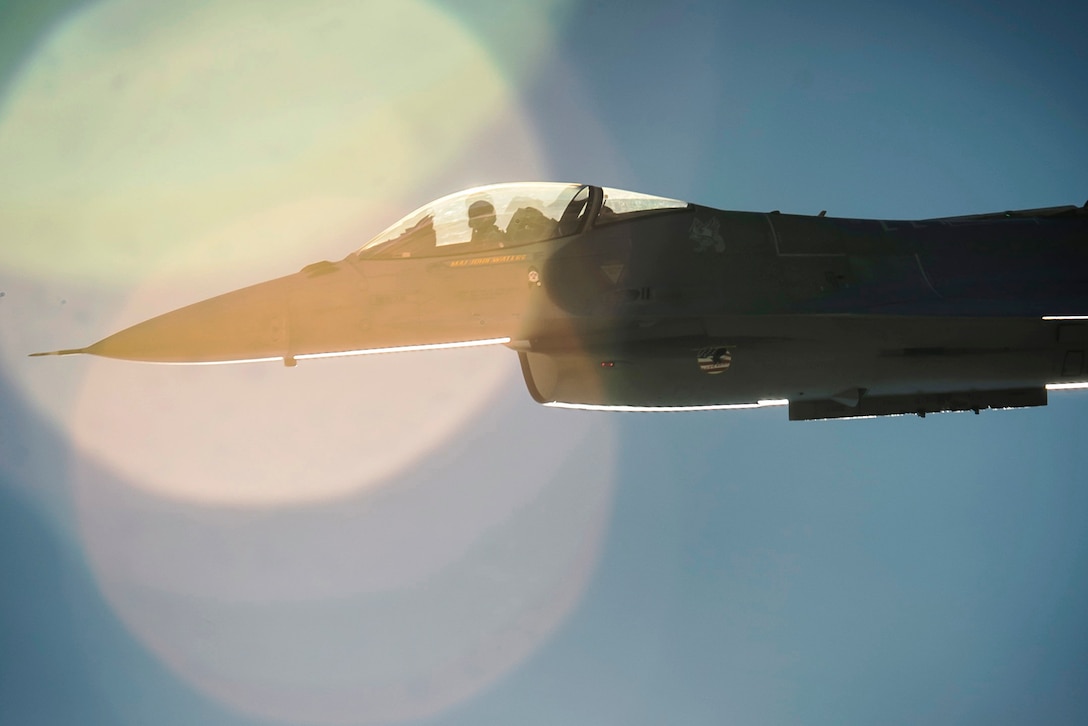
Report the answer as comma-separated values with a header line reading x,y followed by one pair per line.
x,y
248,560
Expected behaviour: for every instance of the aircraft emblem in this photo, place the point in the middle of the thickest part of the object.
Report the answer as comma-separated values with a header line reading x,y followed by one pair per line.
x,y
714,360
706,235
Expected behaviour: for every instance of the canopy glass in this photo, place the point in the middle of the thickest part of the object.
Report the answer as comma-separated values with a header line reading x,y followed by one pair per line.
x,y
506,215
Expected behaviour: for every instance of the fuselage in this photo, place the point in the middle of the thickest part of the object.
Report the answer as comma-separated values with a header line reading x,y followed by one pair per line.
x,y
805,308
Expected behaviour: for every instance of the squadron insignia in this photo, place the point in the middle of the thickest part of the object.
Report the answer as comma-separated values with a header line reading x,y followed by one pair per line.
x,y
706,235
714,360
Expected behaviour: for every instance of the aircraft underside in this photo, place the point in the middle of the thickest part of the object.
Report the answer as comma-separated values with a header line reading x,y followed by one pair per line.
x,y
824,366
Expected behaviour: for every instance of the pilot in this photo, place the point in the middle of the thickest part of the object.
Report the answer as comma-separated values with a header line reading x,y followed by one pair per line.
x,y
485,233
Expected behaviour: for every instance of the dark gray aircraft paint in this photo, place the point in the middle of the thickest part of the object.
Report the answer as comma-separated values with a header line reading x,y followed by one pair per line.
x,y
618,299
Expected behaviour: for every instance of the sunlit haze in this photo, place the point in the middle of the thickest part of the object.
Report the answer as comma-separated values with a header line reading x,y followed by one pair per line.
x,y
405,536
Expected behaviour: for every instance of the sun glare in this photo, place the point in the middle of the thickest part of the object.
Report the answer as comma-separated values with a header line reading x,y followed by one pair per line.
x,y
167,153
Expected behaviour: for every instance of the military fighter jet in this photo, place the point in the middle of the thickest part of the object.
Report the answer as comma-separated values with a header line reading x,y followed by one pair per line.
x,y
617,300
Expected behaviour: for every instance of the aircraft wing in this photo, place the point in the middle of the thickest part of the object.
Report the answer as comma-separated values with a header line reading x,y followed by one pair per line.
x,y
1067,210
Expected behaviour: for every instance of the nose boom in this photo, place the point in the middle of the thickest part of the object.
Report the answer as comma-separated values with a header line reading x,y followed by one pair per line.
x,y
247,324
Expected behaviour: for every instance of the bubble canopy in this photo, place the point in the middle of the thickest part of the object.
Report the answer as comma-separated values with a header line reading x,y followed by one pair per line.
x,y
506,215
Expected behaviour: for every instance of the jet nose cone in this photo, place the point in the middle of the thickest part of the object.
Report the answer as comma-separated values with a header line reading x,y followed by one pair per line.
x,y
247,324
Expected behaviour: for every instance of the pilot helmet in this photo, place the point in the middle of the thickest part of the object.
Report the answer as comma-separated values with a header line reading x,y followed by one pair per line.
x,y
481,209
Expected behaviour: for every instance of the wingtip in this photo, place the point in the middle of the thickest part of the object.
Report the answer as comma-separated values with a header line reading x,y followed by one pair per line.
x,y
67,351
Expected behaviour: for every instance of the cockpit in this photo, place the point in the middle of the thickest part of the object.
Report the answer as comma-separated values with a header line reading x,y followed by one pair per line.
x,y
508,215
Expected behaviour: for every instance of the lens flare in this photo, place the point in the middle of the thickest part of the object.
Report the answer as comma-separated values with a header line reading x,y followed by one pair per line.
x,y
345,541
138,128
202,148
377,606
